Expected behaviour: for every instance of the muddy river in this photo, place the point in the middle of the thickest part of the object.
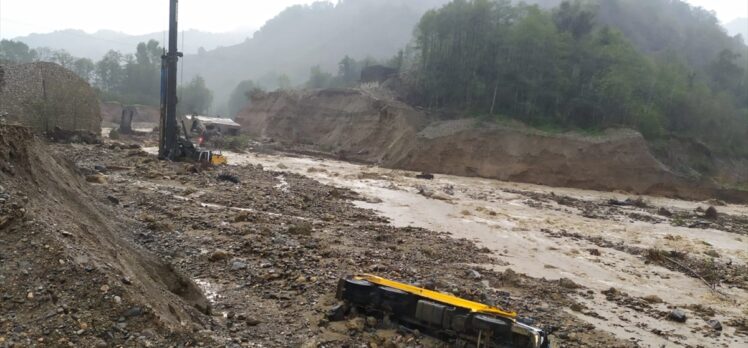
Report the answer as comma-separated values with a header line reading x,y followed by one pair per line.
x,y
500,216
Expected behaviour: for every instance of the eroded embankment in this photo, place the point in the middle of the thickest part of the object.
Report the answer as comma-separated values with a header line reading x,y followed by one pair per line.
x,y
69,272
359,125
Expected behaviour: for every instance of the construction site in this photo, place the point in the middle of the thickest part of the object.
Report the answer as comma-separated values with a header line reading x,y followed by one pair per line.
x,y
350,217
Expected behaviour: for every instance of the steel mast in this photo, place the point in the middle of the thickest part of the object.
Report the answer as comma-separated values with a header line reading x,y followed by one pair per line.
x,y
168,144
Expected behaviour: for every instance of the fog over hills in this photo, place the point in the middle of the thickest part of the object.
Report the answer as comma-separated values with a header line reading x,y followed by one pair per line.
x,y
306,35
738,27
95,45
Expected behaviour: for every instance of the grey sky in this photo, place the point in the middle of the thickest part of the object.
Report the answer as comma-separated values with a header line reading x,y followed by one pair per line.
x,y
21,17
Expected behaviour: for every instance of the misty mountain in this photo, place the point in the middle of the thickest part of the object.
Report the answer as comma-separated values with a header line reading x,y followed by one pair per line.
x,y
306,35
738,27
94,46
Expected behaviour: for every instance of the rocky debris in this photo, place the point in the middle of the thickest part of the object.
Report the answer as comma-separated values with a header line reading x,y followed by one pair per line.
x,y
286,250
677,315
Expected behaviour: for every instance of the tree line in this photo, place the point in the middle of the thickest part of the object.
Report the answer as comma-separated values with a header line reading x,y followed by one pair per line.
x,y
563,69
126,78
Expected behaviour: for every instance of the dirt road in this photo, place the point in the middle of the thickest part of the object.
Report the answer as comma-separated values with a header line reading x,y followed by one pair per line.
x,y
595,239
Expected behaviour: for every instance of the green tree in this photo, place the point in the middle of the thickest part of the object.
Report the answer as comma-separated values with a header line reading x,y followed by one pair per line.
x,y
239,98
194,98
319,78
348,71
84,68
16,52
284,82
65,59
109,72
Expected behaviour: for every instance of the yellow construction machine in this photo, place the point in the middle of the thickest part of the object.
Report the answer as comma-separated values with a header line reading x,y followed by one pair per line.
x,y
457,321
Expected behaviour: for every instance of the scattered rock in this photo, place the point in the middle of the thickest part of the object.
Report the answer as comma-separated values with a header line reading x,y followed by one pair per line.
x,y
594,252
96,179
238,265
425,176
711,213
356,324
218,255
677,315
371,321
653,299
302,229
715,325
113,200
473,274
229,178
133,312
568,283
252,321
337,312
664,212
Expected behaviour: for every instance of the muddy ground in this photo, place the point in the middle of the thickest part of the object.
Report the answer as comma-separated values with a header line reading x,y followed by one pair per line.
x,y
268,242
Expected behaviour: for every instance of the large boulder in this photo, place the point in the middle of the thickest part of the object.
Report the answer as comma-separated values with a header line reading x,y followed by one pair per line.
x,y
46,96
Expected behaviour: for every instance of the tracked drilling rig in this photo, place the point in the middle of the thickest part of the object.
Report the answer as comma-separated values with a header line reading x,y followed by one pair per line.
x,y
171,145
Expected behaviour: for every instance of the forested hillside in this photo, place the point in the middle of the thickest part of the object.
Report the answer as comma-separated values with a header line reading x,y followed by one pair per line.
x,y
565,68
304,36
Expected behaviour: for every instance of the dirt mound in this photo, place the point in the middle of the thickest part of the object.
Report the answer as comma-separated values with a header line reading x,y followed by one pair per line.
x,y
46,95
364,126
70,274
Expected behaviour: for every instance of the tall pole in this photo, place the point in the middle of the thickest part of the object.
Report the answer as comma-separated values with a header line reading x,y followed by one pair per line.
x,y
168,145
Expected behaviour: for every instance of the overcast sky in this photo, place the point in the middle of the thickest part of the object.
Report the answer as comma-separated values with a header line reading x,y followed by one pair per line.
x,y
22,17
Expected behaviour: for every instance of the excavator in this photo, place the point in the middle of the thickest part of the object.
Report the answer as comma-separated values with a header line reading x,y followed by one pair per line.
x,y
174,139
457,321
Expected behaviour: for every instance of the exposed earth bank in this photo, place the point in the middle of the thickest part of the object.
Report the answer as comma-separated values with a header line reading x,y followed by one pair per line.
x,y
371,126
70,272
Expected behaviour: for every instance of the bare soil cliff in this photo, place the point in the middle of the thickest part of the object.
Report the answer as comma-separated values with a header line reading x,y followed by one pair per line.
x,y
369,126
69,272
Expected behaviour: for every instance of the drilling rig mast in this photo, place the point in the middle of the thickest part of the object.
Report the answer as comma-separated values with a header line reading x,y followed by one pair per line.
x,y
168,137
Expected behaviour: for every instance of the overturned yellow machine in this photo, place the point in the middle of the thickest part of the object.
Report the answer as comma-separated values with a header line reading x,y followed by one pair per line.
x,y
460,322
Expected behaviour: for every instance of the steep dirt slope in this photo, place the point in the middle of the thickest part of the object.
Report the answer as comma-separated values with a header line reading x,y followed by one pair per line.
x,y
370,126
69,273
351,123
